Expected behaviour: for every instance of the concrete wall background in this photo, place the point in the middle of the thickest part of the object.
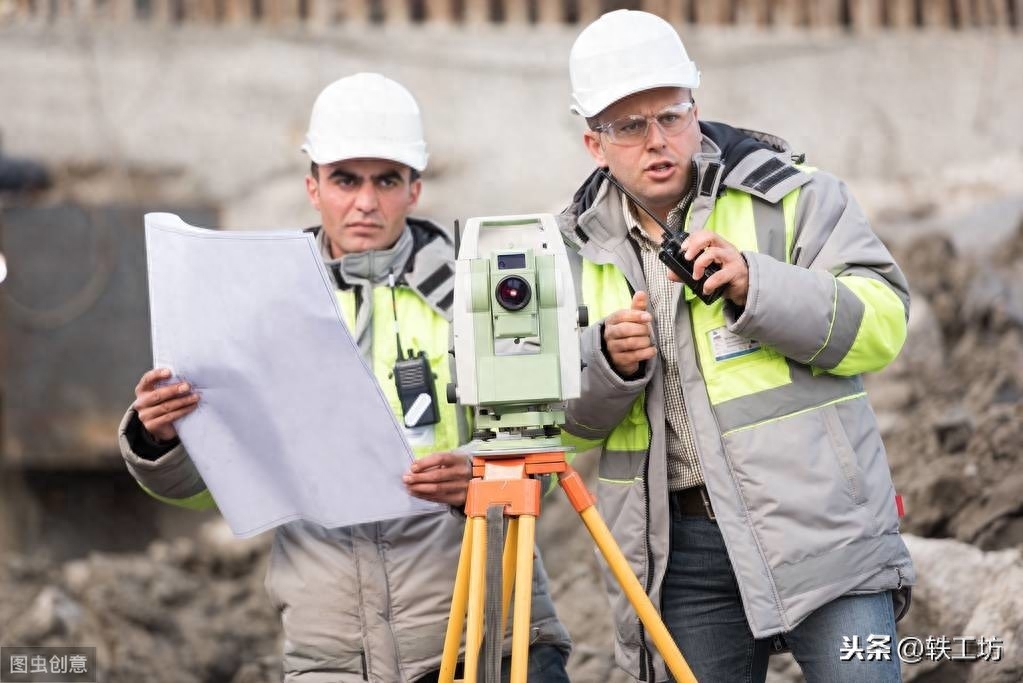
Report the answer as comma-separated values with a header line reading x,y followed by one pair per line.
x,y
909,119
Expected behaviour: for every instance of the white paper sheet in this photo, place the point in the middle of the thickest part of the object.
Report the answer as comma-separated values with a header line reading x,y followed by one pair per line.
x,y
291,423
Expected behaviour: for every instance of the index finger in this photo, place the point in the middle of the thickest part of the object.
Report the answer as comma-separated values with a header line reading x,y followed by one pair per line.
x,y
149,379
697,242
628,315
436,460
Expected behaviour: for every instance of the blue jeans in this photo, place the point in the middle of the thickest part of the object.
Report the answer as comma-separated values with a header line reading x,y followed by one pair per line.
x,y
546,665
702,609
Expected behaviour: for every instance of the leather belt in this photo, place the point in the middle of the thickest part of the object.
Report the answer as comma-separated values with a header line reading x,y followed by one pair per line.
x,y
693,502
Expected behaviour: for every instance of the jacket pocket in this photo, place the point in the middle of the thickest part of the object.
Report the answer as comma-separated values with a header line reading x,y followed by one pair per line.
x,y
312,583
845,454
859,428
419,559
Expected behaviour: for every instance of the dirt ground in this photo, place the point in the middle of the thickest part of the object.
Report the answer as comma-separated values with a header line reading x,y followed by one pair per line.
x,y
923,126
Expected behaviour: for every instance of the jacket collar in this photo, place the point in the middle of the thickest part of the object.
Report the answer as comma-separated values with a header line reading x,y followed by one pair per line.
x,y
371,267
422,259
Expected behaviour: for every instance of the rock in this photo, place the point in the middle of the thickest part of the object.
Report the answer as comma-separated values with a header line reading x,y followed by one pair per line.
x,y
889,394
52,612
994,299
935,495
963,591
264,670
1004,432
981,519
77,575
1009,392
180,552
954,429
231,555
887,423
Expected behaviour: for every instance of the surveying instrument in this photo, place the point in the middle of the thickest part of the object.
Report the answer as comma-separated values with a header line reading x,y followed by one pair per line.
x,y
517,361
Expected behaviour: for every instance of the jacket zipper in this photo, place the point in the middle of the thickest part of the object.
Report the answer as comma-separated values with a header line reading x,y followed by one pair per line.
x,y
365,654
646,661
687,201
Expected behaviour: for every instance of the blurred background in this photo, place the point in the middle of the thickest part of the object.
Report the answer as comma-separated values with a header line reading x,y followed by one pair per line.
x,y
113,108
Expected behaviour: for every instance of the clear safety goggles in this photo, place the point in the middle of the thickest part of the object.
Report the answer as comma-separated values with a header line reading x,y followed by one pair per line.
x,y
632,129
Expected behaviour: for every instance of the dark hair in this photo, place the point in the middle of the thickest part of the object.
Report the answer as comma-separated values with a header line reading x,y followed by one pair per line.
x,y
314,171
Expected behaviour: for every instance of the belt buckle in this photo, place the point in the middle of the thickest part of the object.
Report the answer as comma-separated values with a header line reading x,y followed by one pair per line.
x,y
706,503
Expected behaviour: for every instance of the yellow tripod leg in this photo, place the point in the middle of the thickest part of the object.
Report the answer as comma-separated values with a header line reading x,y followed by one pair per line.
x,y
511,540
477,576
637,596
456,620
523,598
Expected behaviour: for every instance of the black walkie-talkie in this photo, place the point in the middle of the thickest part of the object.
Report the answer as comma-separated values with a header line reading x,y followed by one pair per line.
x,y
413,378
671,252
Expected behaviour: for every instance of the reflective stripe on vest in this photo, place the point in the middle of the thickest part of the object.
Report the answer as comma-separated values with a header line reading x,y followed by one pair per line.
x,y
422,330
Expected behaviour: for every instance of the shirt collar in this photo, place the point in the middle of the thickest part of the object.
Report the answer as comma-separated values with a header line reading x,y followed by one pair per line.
x,y
636,231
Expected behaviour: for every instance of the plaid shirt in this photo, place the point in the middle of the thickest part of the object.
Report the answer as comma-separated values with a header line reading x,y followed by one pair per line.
x,y
683,466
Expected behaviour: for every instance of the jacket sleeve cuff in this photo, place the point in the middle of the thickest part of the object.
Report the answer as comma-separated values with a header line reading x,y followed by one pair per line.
x,y
738,317
605,396
144,444
614,379
640,371
788,307
171,475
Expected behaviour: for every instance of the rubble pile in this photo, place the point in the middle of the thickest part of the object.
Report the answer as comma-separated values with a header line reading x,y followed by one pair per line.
x,y
951,406
951,413
185,611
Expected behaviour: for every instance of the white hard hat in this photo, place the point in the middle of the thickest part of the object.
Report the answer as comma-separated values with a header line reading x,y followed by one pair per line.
x,y
625,52
366,116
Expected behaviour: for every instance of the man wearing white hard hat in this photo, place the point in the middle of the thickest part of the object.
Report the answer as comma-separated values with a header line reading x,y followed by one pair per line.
x,y
742,470
371,602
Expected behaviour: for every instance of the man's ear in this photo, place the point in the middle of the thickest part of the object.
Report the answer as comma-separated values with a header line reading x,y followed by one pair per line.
x,y
591,139
312,190
415,187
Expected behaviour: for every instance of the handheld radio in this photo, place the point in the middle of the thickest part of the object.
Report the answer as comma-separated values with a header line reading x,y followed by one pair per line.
x,y
414,380
672,253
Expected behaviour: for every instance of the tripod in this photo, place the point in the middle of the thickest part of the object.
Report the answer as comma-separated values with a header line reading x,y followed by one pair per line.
x,y
507,484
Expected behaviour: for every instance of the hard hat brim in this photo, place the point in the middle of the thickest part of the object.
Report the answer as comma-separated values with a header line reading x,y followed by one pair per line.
x,y
592,103
413,156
